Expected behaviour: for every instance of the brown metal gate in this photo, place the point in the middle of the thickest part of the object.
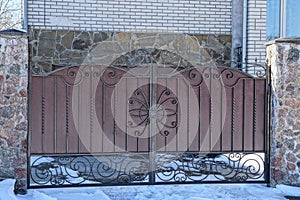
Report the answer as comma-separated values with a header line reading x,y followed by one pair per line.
x,y
146,124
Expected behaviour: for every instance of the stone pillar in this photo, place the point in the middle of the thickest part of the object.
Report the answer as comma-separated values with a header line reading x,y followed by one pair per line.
x,y
13,108
283,58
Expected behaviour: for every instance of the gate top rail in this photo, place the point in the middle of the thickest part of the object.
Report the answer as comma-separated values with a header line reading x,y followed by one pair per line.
x,y
165,58
252,70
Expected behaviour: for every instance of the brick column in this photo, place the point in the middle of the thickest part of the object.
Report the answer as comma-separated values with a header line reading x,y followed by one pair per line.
x,y
283,58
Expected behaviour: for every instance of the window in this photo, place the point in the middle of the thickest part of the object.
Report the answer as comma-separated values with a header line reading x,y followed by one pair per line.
x,y
292,22
282,19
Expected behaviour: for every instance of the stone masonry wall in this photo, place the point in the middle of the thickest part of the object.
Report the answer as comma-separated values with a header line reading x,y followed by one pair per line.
x,y
283,58
13,108
50,50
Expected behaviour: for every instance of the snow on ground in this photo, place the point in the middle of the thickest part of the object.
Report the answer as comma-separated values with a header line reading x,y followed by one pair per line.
x,y
157,192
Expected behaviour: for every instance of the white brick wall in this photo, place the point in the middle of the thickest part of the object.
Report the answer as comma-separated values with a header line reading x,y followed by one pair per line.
x,y
183,16
256,30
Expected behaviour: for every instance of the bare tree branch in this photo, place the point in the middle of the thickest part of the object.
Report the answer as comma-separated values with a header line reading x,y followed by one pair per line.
x,y
10,14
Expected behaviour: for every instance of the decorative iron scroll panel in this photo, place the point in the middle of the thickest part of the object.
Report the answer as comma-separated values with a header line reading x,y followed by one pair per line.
x,y
97,125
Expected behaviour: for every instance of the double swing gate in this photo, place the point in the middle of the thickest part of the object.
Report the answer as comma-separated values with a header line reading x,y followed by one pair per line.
x,y
150,122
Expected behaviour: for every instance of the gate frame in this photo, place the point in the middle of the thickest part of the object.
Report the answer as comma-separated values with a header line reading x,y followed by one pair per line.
x,y
266,130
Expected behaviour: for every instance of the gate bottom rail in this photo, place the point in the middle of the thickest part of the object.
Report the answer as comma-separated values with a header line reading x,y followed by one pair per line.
x,y
133,168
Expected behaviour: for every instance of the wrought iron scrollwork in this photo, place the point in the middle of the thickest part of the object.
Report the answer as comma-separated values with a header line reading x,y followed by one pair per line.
x,y
128,169
193,167
111,76
164,111
68,170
